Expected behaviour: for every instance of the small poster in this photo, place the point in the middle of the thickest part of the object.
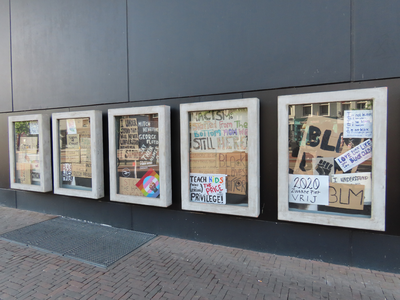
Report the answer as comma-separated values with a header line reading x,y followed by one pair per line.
x,y
149,184
34,127
71,126
208,188
355,156
309,189
323,165
357,124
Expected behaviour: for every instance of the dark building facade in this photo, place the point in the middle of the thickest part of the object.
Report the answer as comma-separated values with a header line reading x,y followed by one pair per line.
x,y
65,56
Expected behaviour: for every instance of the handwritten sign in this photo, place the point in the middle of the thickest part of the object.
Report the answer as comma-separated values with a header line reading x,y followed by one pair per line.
x,y
355,156
127,186
322,137
73,141
70,155
236,185
219,130
82,170
357,179
24,173
309,189
128,135
34,127
357,124
66,172
28,144
346,196
208,188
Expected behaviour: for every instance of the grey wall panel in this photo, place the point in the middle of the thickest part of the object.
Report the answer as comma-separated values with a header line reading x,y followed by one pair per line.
x,y
68,53
376,39
5,59
7,198
4,162
102,212
186,48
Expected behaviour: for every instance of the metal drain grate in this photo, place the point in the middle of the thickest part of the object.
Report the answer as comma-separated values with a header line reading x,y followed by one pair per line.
x,y
95,244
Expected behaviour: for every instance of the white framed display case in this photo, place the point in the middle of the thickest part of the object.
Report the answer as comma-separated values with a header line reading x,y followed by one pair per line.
x,y
220,157
30,152
140,155
78,154
332,169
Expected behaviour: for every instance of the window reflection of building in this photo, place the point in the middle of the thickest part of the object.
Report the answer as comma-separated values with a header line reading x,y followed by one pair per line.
x,y
307,110
324,110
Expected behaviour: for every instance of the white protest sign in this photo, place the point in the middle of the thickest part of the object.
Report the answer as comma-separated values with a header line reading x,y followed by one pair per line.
x,y
309,189
208,188
356,178
355,156
34,127
357,124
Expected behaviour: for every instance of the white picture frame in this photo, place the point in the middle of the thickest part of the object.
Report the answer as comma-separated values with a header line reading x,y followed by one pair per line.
x,y
253,110
96,154
164,144
377,219
43,130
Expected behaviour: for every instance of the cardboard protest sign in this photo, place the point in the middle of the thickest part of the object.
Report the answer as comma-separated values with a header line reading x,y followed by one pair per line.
x,y
219,130
357,124
309,189
70,156
28,144
73,141
127,186
236,185
128,154
24,173
355,156
128,133
208,188
347,196
357,179
82,170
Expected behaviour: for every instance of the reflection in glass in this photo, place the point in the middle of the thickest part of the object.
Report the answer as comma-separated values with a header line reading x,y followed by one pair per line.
x,y
75,153
137,140
27,163
219,156
331,155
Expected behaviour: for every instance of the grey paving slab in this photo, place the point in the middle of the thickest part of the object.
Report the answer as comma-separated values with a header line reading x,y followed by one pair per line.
x,y
172,268
12,219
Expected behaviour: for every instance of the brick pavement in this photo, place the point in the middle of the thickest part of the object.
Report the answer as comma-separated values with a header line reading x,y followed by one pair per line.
x,y
172,268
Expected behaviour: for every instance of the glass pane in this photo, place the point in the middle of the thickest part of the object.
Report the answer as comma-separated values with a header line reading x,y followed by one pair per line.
x,y
330,161
75,153
26,139
138,155
218,156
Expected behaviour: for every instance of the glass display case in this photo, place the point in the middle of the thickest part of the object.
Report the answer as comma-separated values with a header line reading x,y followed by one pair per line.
x,y
220,156
140,155
332,164
78,154
30,154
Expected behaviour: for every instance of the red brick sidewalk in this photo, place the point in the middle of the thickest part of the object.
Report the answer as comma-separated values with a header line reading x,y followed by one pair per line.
x,y
171,268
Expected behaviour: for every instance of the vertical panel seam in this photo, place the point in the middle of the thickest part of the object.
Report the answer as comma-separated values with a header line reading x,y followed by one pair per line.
x,y
352,41
127,50
11,62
